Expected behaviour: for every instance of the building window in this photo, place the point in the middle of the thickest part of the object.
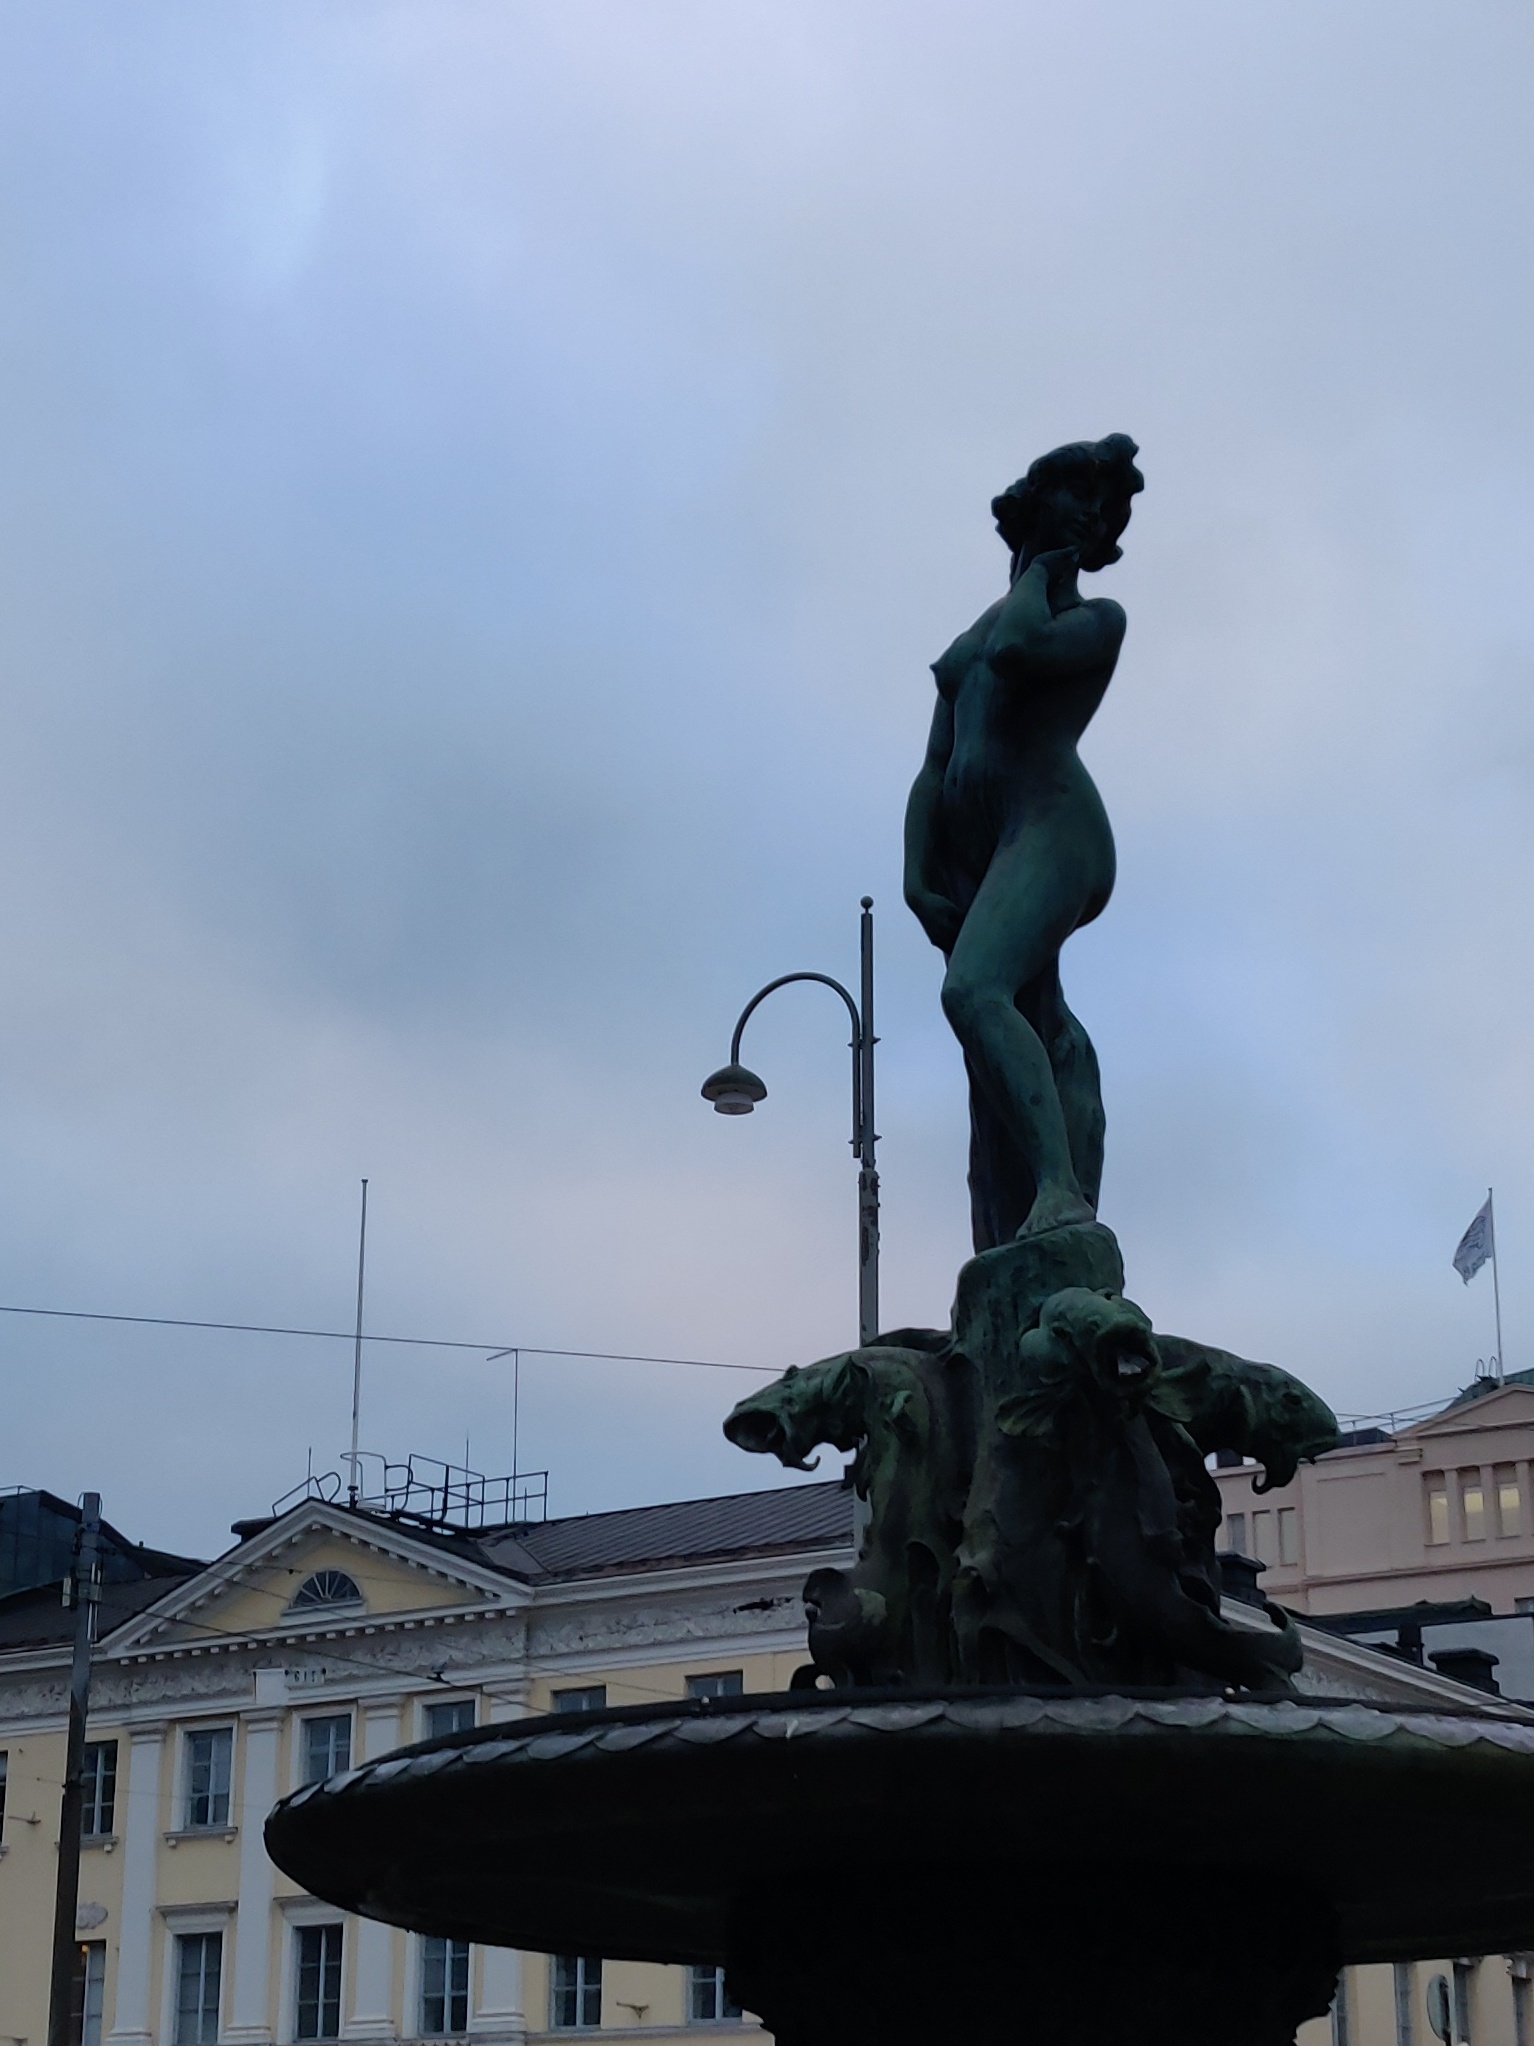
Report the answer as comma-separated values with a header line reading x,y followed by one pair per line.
x,y
1235,1532
1340,2014
1437,1493
199,1964
328,1588
1464,1984
1288,1534
1472,1499
588,1698
708,2001
717,1683
444,1986
99,1777
318,2012
1262,1538
1403,1973
577,1992
455,1716
1509,1511
327,1746
209,1760
87,1986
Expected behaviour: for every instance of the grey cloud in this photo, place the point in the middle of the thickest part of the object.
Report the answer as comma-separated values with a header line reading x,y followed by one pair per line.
x,y
480,489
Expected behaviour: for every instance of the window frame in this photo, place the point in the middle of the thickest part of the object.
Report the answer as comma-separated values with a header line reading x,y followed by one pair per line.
x,y
190,1736
431,1706
328,1719
1472,1485
98,1788
579,1698
1404,1986
348,1602
184,1937
1438,1527
298,1933
1506,1485
454,1951
716,1683
90,1976
701,1975
1341,2012
1462,1986
583,1988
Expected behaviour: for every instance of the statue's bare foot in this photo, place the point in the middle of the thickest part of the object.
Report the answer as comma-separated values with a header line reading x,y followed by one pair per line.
x,y
1056,1207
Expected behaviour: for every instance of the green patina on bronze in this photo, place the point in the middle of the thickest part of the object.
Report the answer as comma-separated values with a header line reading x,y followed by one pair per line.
x,y
1038,1504
1008,848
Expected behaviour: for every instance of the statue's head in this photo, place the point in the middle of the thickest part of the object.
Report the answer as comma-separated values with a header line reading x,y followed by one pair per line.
x,y
1291,1425
1076,496
824,1402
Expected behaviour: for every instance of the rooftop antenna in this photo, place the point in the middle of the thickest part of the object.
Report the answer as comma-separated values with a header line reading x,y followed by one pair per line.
x,y
362,1251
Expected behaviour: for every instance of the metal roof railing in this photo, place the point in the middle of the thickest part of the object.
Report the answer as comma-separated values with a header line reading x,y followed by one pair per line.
x,y
448,1497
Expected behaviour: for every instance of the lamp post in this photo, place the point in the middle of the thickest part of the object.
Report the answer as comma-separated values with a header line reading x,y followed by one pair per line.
x,y
735,1090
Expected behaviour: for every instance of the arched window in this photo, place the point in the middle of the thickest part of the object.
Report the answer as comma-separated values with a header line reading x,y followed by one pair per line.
x,y
327,1588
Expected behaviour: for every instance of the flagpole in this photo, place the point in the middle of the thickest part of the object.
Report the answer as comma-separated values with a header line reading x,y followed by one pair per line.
x,y
1496,1290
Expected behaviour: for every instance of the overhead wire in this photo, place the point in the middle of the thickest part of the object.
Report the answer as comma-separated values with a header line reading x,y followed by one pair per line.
x,y
490,1350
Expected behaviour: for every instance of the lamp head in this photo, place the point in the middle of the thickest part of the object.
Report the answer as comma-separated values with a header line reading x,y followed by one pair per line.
x,y
734,1090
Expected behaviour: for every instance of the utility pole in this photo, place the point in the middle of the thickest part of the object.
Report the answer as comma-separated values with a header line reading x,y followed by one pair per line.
x,y
362,1254
84,1584
865,1138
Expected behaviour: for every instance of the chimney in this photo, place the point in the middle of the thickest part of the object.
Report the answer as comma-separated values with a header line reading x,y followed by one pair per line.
x,y
1471,1666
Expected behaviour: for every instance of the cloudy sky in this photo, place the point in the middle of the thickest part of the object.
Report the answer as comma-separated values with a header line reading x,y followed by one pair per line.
x,y
481,486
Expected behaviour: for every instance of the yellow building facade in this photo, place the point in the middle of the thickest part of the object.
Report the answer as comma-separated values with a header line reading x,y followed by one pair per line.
x,y
330,1635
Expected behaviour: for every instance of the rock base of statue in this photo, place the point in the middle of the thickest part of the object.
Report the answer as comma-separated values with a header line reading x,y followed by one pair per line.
x,y
1039,1510
964,1866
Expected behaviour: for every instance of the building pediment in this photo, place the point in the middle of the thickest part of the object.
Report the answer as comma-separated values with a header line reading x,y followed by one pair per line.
x,y
319,1571
1508,1406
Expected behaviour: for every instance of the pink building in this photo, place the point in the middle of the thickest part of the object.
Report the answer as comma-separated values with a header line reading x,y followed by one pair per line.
x,y
1437,1510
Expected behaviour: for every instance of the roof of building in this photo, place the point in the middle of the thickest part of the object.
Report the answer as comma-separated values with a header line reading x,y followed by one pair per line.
x,y
38,1617
1482,1388
684,1530
634,1538
39,1533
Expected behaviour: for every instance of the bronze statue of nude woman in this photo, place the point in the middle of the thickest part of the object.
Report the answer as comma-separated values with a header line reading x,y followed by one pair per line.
x,y
1008,848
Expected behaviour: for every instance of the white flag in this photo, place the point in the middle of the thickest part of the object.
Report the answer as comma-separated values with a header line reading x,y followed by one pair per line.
x,y
1475,1244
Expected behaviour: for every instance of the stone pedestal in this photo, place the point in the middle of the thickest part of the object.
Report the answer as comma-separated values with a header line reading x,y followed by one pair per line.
x,y
1055,1952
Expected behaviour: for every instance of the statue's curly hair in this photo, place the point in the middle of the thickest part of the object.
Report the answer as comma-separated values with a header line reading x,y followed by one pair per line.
x,y
1107,466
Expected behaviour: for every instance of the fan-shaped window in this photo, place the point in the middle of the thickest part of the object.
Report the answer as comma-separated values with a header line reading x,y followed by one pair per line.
x,y
327,1588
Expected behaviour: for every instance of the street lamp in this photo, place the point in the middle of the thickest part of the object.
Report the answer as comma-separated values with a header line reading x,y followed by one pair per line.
x,y
735,1090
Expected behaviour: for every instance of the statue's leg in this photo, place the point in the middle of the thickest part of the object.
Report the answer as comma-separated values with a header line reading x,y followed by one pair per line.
x,y
1027,906
1078,1082
1001,1187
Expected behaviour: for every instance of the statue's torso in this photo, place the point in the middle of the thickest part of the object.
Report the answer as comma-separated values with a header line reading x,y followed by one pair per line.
x,y
1014,757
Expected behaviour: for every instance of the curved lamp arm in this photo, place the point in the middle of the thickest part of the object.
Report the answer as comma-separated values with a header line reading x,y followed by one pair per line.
x,y
825,980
